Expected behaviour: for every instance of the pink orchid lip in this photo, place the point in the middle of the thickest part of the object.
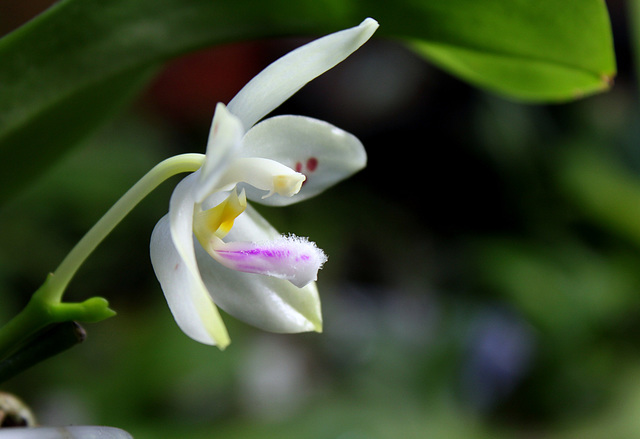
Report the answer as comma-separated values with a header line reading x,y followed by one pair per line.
x,y
287,257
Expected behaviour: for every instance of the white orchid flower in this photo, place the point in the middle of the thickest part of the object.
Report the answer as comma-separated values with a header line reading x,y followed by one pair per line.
x,y
237,260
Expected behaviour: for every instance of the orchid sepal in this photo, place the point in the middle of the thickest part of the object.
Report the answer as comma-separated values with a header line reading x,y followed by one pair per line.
x,y
174,262
285,76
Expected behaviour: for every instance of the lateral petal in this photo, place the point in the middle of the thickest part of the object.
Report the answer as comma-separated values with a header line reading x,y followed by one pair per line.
x,y
322,152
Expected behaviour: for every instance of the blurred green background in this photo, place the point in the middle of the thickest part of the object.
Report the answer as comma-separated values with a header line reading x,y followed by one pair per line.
x,y
482,281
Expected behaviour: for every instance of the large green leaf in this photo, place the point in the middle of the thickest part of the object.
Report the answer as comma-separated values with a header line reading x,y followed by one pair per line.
x,y
541,50
67,70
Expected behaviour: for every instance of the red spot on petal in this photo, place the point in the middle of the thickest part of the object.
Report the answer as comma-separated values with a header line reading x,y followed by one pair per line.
x,y
298,167
312,164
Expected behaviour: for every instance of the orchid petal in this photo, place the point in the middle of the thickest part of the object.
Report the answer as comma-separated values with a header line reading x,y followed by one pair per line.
x,y
287,257
280,80
225,139
266,302
324,153
174,262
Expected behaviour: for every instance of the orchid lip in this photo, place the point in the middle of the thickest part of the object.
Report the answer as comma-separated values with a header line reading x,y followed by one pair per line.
x,y
287,257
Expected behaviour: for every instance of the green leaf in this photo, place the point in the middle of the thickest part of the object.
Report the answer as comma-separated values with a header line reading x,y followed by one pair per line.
x,y
543,50
68,70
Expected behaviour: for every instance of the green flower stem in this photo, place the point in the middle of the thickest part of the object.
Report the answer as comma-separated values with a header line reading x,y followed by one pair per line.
x,y
46,306
161,172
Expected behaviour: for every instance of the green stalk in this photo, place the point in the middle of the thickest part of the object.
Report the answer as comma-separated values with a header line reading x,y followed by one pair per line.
x,y
46,306
161,172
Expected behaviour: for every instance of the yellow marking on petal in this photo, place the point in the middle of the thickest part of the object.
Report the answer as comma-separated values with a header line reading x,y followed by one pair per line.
x,y
219,220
